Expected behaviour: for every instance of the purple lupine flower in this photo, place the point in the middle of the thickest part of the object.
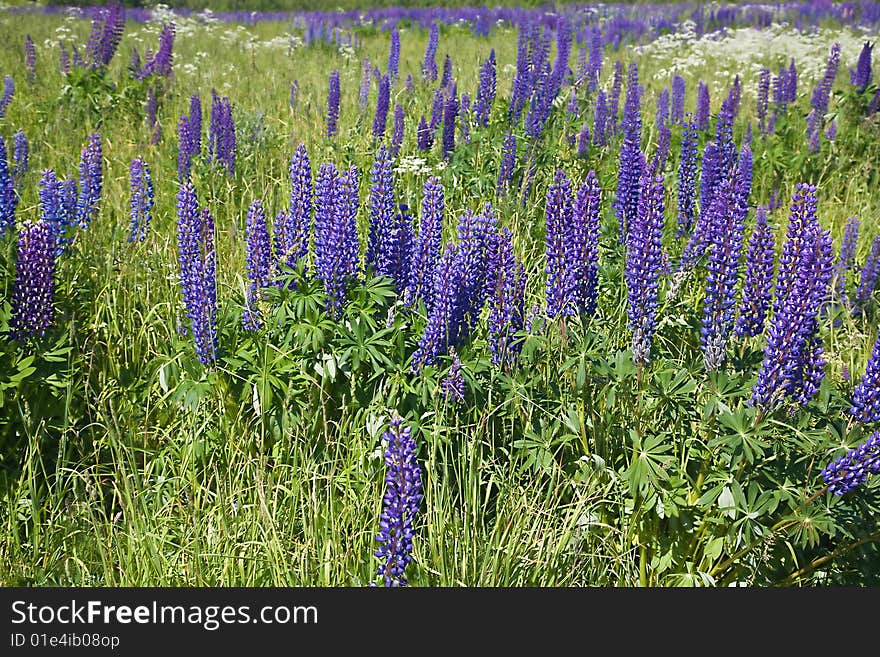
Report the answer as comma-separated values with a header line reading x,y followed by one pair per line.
x,y
465,118
50,205
847,257
20,156
437,106
614,99
763,99
792,80
446,78
333,104
702,114
336,245
8,93
294,94
68,194
831,131
397,133
868,277
410,84
184,143
678,95
161,63
400,504
724,244
848,472
780,89
507,304
664,139
8,196
814,121
426,250
862,76
30,57
450,113
293,230
446,313
394,56
582,250
644,249
476,234
662,115
873,106
259,256
866,396
758,286
424,135
364,89
90,181
629,171
195,124
197,259
221,134
572,108
709,179
687,178
822,91
793,365
558,213
140,185
594,65
63,59
33,294
508,159
485,91
429,63
601,121
583,141
452,385
382,245
106,33
382,102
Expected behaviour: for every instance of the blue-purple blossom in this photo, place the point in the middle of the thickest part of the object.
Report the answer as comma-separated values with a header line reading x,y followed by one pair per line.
x,y
108,25
33,293
426,250
558,216
847,257
452,385
221,133
644,261
446,313
8,93
702,113
793,365
678,95
336,238
446,77
140,185
600,122
583,141
400,504
195,124
197,260
424,135
450,114
822,91
259,263
394,56
382,245
629,172
763,99
293,232
582,250
184,144
507,303
91,178
8,196
724,245
20,156
867,277
862,76
687,178
333,104
397,131
866,396
364,89
485,91
508,159
848,472
382,102
429,63
757,292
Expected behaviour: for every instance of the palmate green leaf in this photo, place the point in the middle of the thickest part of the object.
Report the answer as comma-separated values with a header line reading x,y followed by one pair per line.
x,y
651,461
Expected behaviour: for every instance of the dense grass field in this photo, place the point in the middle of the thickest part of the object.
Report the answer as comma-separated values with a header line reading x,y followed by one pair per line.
x,y
129,458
